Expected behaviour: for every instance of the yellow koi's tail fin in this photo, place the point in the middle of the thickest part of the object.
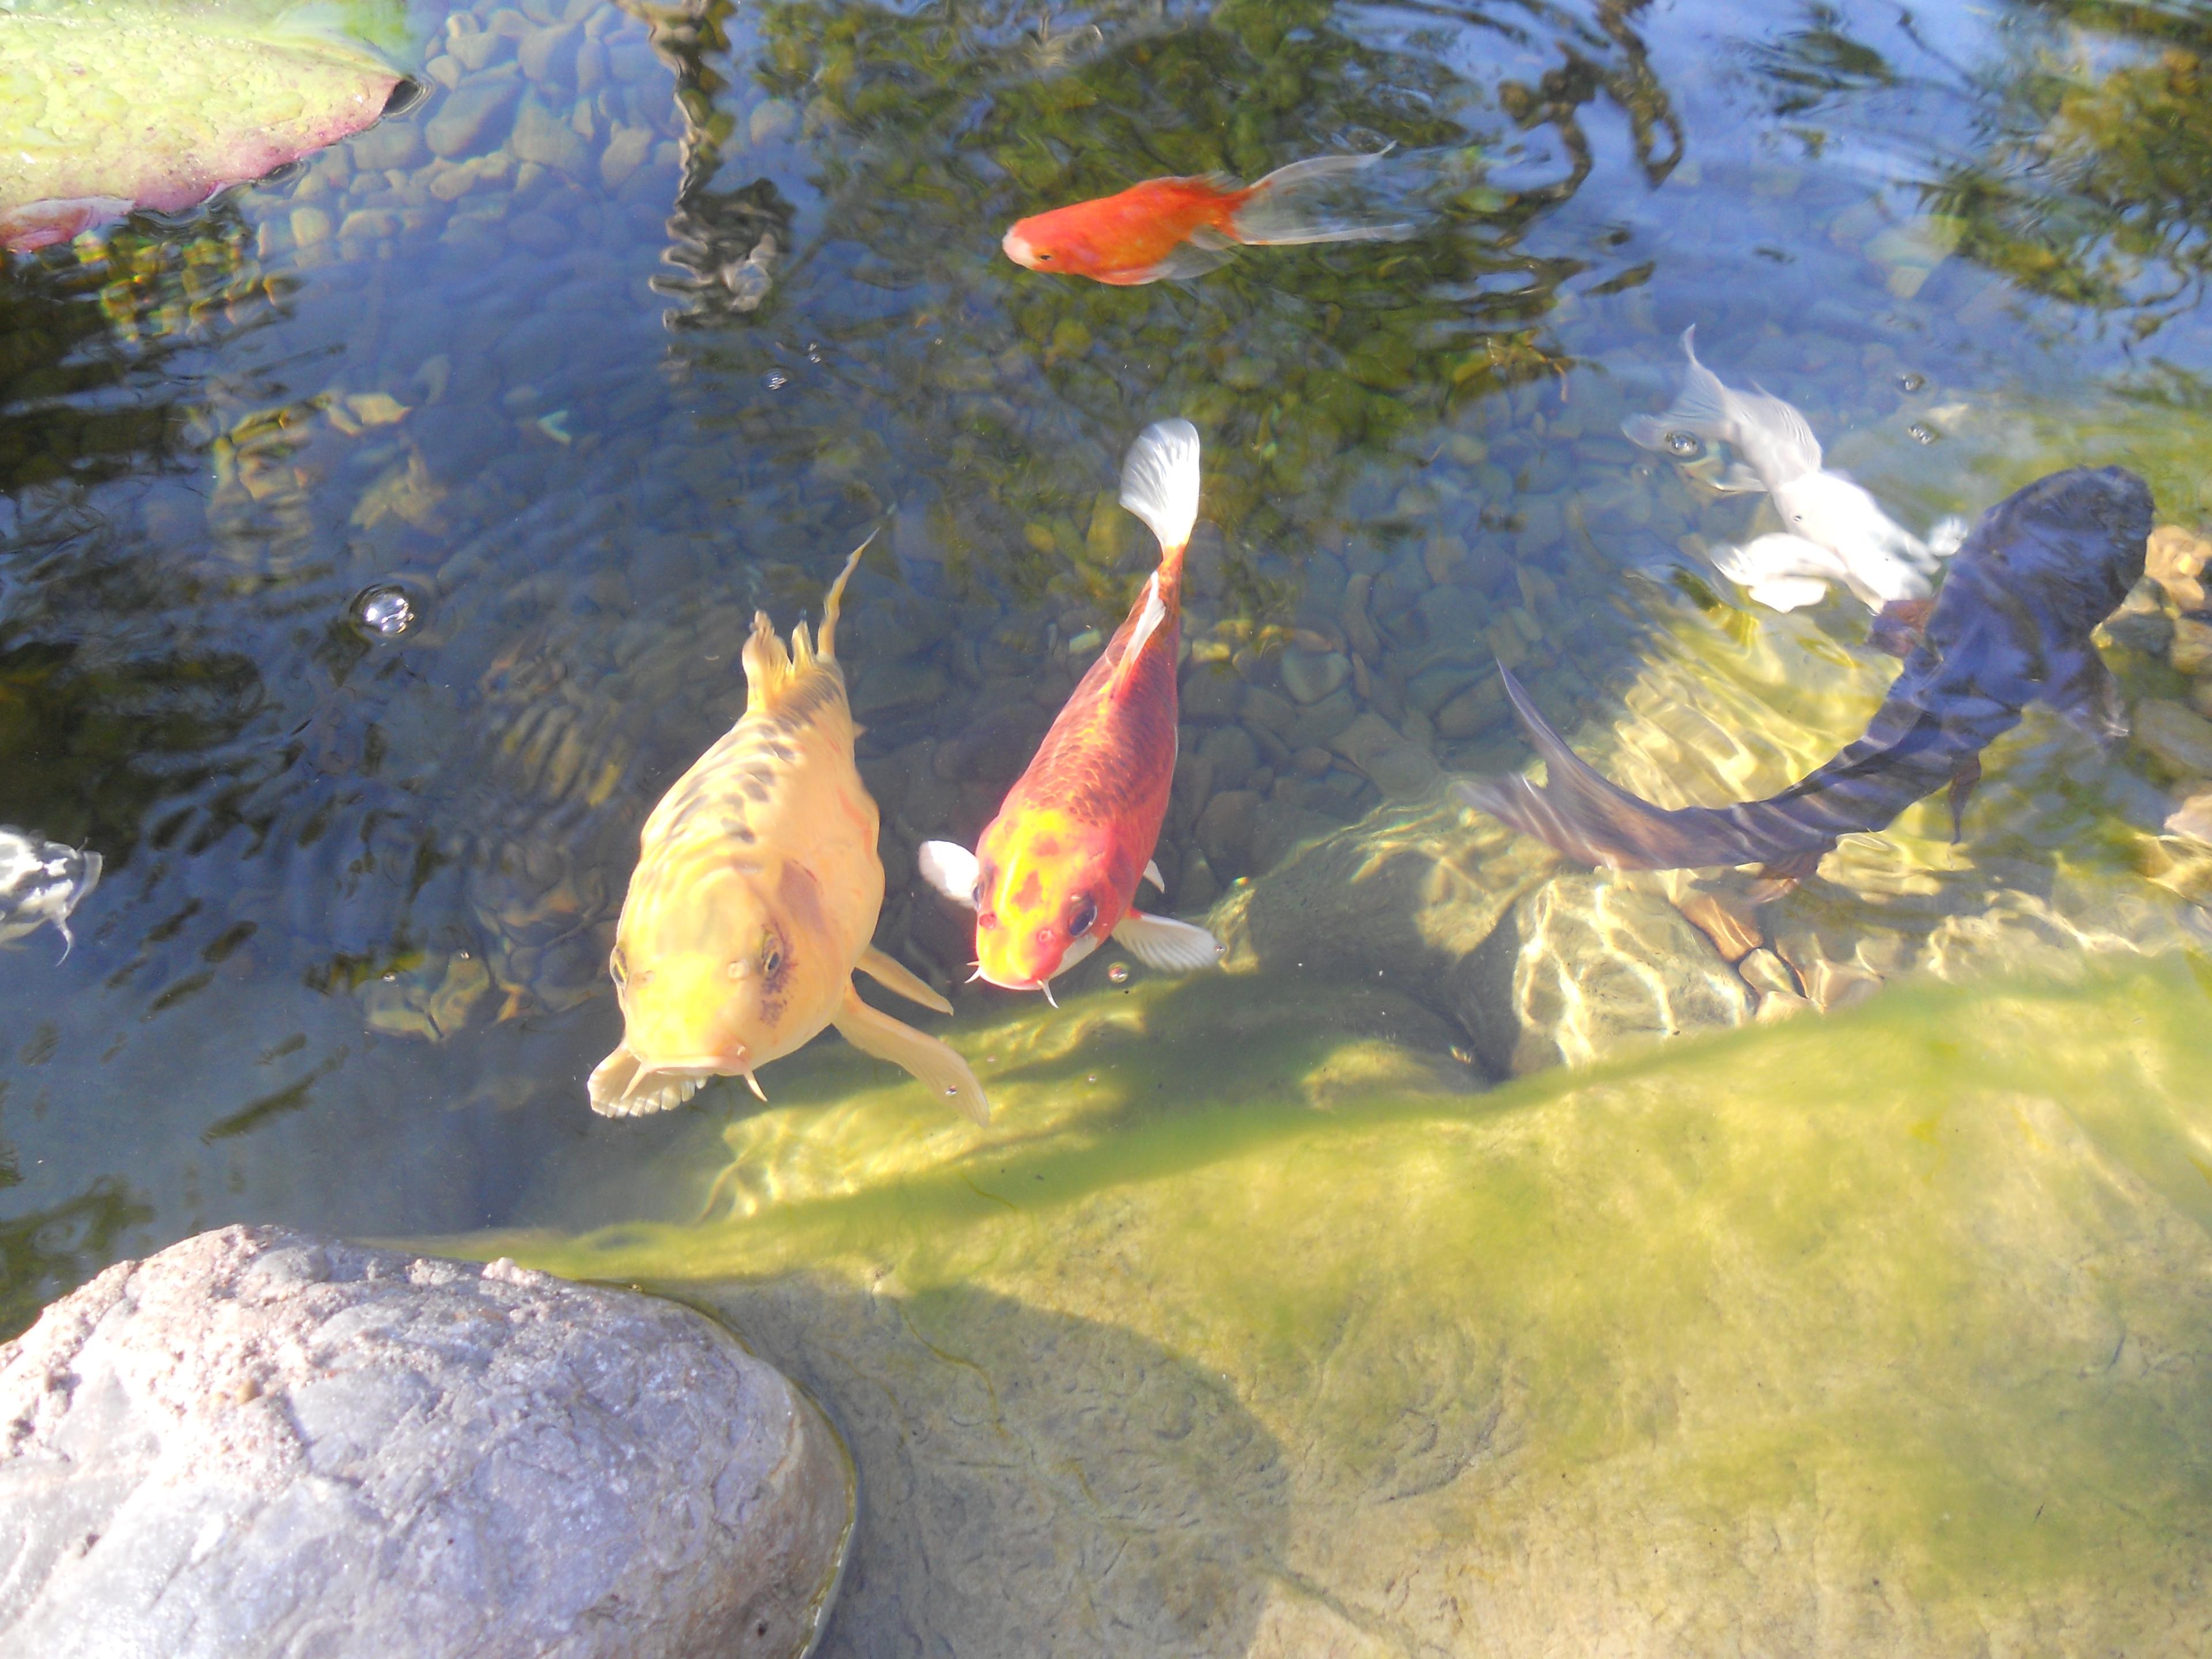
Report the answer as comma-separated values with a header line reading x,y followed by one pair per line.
x,y
767,664
836,593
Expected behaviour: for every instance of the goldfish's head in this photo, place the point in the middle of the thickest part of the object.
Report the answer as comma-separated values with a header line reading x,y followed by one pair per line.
x,y
716,974
1045,241
1047,893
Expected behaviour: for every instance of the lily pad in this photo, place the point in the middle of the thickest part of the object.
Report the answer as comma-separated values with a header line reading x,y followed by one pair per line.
x,y
105,107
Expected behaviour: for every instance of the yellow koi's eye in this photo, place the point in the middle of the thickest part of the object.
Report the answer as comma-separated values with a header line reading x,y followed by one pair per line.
x,y
618,967
771,956
1081,916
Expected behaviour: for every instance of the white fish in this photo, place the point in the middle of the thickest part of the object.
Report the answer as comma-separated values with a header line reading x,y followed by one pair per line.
x,y
41,881
1837,532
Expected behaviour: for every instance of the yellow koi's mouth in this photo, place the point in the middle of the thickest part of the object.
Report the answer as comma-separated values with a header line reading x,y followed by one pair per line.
x,y
622,1085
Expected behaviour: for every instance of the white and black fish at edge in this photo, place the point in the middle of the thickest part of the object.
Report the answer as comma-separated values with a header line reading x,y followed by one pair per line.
x,y
41,882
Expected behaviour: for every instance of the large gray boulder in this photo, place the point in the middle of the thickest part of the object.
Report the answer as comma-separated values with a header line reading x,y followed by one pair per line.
x,y
260,1443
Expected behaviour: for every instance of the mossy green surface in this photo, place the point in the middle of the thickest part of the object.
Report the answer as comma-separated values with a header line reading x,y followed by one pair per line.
x,y
1877,1332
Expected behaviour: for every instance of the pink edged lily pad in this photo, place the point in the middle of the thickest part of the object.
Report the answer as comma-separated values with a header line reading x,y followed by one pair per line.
x,y
105,107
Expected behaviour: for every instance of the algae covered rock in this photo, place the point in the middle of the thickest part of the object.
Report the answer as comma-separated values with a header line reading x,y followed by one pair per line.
x,y
259,1442
1879,1333
1585,963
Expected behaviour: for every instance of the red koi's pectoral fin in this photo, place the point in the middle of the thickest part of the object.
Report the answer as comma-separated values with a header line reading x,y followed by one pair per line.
x,y
1153,874
949,868
1170,946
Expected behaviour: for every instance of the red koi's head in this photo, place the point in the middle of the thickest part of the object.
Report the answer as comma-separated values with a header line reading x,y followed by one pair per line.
x,y
1047,892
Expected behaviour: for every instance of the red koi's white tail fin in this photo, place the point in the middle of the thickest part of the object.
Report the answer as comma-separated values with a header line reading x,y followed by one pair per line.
x,y
1279,211
1159,483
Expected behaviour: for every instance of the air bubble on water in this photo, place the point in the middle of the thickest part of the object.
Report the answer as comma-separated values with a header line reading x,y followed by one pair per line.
x,y
1909,382
1683,443
1119,972
1462,1055
777,380
384,612
1921,433
951,1090
813,352
1093,1078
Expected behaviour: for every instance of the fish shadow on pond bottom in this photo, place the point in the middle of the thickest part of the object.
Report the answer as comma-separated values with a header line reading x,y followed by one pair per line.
x,y
1030,1483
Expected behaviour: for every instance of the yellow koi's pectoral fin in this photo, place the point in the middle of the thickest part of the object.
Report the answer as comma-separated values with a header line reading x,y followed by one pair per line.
x,y
893,976
936,1066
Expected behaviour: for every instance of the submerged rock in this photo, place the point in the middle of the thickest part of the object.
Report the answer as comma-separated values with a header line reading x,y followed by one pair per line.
x,y
259,1442
1586,964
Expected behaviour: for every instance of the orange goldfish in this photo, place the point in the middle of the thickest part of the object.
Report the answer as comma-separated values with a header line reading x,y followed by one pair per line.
x,y
1177,228
1056,873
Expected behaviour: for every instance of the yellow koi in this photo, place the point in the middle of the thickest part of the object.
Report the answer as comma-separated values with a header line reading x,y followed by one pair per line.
x,y
755,895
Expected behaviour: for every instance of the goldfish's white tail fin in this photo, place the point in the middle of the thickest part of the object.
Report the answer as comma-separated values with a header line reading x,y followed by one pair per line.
x,y
1771,434
1159,483
829,648
1277,213
1948,536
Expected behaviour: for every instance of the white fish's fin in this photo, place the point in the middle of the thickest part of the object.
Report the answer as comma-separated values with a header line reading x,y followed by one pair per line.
x,y
1153,874
1182,262
836,593
1947,537
1740,480
1776,439
1772,435
1700,408
933,1065
1772,557
949,868
1159,483
894,976
1789,593
1276,214
1171,946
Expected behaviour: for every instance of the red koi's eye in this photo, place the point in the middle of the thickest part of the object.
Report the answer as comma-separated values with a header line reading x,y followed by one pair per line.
x,y
1082,916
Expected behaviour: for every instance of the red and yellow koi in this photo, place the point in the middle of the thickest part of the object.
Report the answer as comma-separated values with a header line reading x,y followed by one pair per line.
x,y
1055,873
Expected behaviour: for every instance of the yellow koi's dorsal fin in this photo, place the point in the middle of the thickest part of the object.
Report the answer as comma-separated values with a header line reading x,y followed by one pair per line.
x,y
767,664
836,593
802,649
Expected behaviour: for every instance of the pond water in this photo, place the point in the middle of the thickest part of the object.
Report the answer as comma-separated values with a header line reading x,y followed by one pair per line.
x,y
376,542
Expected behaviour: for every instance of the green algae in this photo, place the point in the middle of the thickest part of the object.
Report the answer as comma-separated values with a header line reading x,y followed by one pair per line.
x,y
1857,1333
